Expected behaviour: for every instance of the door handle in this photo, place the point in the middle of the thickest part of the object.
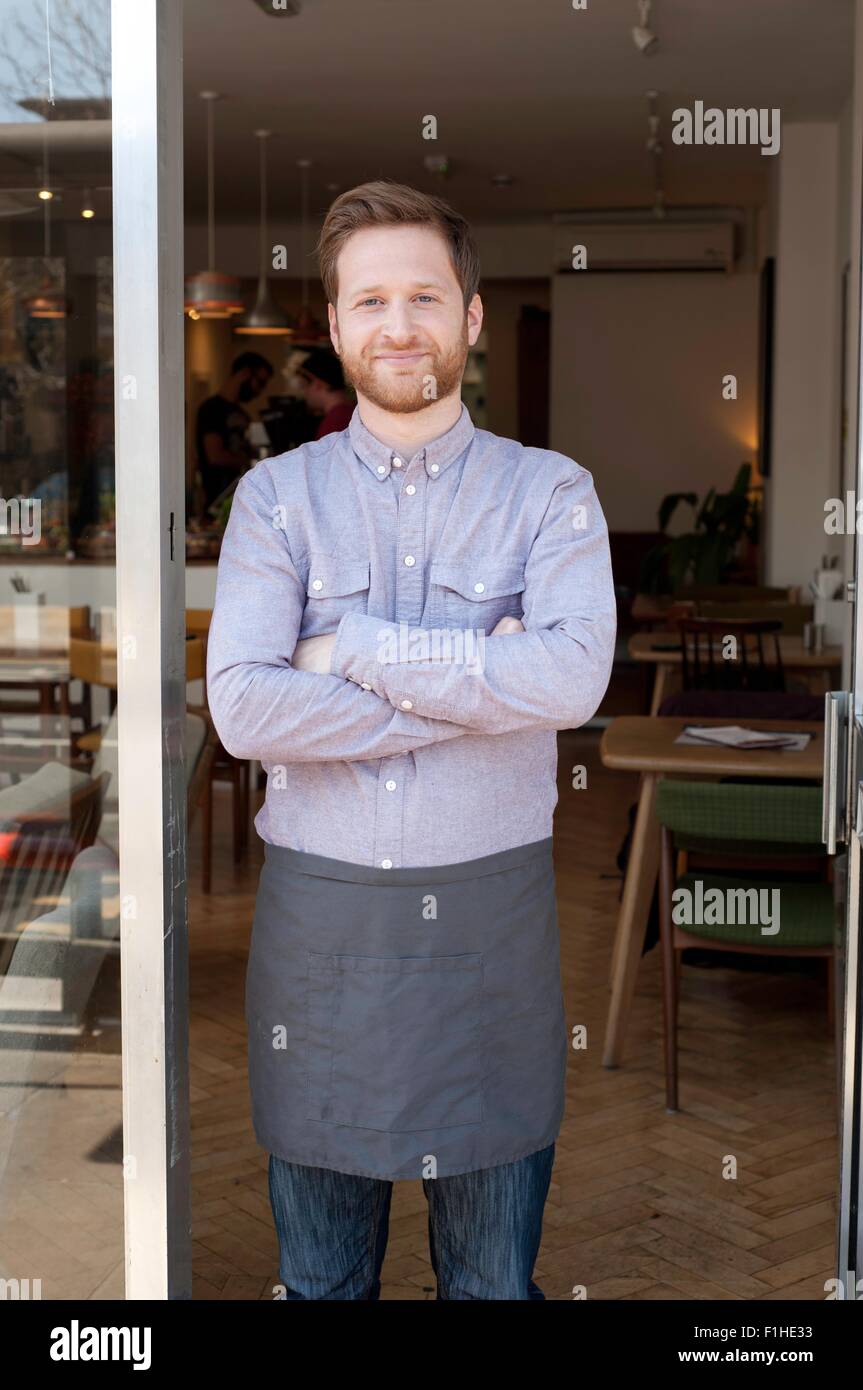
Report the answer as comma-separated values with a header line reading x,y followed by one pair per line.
x,y
833,818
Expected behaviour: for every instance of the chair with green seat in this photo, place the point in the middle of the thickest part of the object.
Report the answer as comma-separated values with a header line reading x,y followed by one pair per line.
x,y
752,836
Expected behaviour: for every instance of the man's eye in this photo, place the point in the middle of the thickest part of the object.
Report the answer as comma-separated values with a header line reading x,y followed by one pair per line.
x,y
371,300
430,297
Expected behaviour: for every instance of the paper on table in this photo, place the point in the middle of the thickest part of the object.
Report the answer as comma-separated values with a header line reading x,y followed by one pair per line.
x,y
736,736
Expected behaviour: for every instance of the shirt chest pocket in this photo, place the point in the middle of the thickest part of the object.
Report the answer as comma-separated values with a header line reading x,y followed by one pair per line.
x,y
478,594
335,586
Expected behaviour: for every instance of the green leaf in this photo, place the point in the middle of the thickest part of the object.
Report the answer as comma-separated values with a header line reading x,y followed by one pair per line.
x,y
668,506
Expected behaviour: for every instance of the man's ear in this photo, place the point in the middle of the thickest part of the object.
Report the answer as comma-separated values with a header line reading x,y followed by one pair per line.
x,y
474,320
334,327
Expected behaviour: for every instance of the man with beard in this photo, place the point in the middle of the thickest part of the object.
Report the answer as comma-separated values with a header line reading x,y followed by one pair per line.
x,y
403,993
220,431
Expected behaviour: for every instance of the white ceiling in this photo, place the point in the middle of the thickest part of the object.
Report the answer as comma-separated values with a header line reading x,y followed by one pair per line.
x,y
532,88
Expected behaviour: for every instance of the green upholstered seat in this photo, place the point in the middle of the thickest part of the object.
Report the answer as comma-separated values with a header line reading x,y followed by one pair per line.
x,y
751,819
752,815
806,916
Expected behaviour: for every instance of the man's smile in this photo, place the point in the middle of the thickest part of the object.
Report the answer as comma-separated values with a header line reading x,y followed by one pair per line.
x,y
400,356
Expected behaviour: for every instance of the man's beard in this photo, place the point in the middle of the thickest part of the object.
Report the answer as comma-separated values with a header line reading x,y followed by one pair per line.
x,y
412,387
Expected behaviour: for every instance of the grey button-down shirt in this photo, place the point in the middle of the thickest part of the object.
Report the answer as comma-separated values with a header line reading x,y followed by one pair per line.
x,y
430,742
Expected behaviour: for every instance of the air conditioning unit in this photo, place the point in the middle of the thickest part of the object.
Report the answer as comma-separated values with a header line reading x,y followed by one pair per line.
x,y
645,245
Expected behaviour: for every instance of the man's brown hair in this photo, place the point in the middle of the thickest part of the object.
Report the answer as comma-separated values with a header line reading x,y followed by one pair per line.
x,y
384,203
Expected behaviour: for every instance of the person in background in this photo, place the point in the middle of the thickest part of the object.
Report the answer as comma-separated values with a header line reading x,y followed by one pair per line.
x,y
325,391
220,435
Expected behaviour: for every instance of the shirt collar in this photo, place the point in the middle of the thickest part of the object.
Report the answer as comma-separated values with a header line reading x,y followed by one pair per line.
x,y
438,454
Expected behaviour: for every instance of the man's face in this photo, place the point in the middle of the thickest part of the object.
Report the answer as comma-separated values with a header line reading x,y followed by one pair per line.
x,y
400,326
256,381
315,393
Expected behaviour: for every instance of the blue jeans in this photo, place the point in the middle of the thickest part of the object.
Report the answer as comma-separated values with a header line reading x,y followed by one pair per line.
x,y
484,1229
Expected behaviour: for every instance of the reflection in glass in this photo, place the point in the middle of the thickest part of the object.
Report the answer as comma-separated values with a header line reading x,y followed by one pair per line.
x,y
61,1177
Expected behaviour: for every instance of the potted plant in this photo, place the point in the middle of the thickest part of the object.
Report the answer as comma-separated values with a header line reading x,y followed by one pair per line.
x,y
707,553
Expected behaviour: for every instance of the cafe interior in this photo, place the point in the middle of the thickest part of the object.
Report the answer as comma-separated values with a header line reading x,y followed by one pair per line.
x,y
680,318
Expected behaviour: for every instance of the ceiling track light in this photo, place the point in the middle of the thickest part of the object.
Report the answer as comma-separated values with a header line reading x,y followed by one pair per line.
x,y
655,149
644,38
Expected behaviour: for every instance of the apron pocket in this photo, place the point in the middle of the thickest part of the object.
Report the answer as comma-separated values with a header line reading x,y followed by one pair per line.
x,y
394,1044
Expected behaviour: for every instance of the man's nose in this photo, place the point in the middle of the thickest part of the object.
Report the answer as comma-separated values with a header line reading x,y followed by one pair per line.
x,y
399,325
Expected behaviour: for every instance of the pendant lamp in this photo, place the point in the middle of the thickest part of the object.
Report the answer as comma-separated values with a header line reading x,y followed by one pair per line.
x,y
264,318
210,294
47,302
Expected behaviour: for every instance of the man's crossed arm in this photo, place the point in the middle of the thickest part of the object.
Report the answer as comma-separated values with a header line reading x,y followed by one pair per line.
x,y
264,706
278,699
315,653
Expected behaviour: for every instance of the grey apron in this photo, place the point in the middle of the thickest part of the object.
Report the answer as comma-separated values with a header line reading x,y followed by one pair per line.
x,y
406,1023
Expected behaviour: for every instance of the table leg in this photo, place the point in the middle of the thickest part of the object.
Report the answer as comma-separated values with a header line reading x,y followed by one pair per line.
x,y
667,680
615,950
632,921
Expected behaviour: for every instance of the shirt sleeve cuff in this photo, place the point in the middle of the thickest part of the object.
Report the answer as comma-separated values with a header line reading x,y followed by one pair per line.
x,y
360,640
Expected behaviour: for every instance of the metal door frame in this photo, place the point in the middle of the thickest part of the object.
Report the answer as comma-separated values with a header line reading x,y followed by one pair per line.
x,y
843,755
147,155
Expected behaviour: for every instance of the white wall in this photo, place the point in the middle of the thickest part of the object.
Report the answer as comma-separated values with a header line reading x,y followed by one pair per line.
x,y
636,385
805,452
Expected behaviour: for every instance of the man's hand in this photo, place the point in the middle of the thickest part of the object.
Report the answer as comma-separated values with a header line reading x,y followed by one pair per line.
x,y
314,653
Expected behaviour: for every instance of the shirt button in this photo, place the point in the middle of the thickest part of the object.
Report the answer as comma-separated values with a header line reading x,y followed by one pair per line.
x,y
410,489
397,463
435,467
409,560
386,863
390,786
364,685
317,583
479,588
407,704
381,468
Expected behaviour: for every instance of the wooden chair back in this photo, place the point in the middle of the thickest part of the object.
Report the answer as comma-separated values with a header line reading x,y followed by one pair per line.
x,y
792,616
708,666
94,664
196,659
198,621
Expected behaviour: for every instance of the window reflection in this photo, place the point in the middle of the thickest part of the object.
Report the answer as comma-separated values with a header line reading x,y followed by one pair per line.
x,y
61,1189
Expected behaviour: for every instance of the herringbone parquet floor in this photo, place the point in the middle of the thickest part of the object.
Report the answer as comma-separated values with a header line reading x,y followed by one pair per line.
x,y
641,1204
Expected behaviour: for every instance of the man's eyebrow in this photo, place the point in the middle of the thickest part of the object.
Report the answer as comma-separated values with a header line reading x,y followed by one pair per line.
x,y
417,285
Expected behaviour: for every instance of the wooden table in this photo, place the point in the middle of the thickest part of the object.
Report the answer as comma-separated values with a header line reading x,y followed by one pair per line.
x,y
649,609
49,676
648,647
645,744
